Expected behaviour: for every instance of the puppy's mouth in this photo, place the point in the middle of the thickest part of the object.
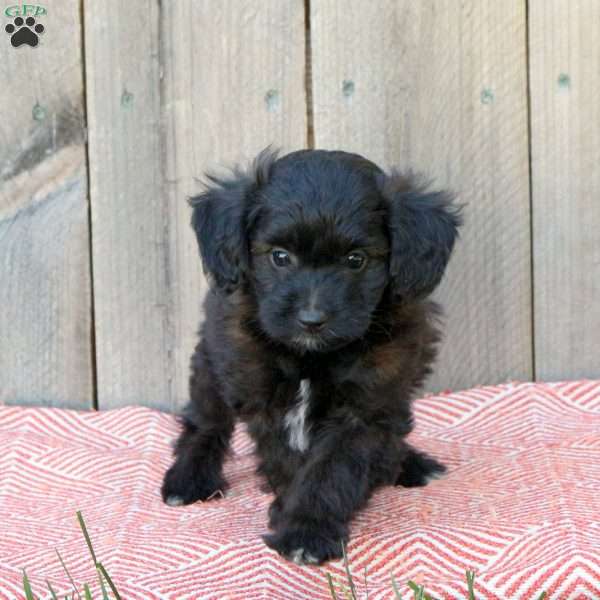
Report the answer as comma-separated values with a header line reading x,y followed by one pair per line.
x,y
318,342
313,342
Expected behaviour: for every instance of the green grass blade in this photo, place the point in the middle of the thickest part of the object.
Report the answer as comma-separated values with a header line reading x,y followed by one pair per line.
x,y
86,592
470,580
54,596
110,582
331,587
102,586
86,535
102,572
415,588
418,591
27,587
396,588
348,574
62,562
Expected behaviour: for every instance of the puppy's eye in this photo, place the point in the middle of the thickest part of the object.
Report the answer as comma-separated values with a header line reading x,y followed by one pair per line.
x,y
356,261
280,258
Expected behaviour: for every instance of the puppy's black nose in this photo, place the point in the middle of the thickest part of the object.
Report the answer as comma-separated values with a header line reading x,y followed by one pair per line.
x,y
312,320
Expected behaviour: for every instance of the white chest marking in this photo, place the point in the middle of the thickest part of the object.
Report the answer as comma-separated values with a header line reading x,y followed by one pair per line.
x,y
295,419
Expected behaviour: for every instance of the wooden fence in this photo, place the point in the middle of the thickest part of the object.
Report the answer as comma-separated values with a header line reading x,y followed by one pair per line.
x,y
107,125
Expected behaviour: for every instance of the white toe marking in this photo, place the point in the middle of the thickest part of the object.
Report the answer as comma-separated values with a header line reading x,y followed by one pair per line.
x,y
174,501
301,557
435,475
297,556
295,419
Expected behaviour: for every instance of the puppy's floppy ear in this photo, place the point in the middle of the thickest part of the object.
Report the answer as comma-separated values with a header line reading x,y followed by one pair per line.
x,y
423,226
221,220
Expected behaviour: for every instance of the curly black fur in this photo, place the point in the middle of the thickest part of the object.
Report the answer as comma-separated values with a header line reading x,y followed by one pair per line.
x,y
317,335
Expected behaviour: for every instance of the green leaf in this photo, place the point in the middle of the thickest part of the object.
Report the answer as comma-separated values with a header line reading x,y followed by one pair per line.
x,y
27,587
542,596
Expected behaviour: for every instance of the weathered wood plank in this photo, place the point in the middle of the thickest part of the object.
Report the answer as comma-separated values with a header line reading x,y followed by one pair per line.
x,y
201,82
440,88
130,217
223,115
45,321
565,128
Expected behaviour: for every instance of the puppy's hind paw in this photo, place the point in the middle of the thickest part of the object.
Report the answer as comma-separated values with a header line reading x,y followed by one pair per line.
x,y
418,469
304,547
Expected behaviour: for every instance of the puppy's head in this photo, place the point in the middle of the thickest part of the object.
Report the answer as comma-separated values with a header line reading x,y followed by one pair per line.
x,y
318,238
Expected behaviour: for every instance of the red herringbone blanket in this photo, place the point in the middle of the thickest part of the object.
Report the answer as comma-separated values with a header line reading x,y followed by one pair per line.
x,y
520,506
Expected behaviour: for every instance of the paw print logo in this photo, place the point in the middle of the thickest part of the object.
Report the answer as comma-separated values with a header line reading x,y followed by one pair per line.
x,y
24,32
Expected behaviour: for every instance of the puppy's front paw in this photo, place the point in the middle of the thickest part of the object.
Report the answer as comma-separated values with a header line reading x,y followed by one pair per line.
x,y
185,486
418,469
304,546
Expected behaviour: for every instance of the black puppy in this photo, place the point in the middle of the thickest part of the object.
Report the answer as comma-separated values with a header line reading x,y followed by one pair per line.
x,y
317,335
